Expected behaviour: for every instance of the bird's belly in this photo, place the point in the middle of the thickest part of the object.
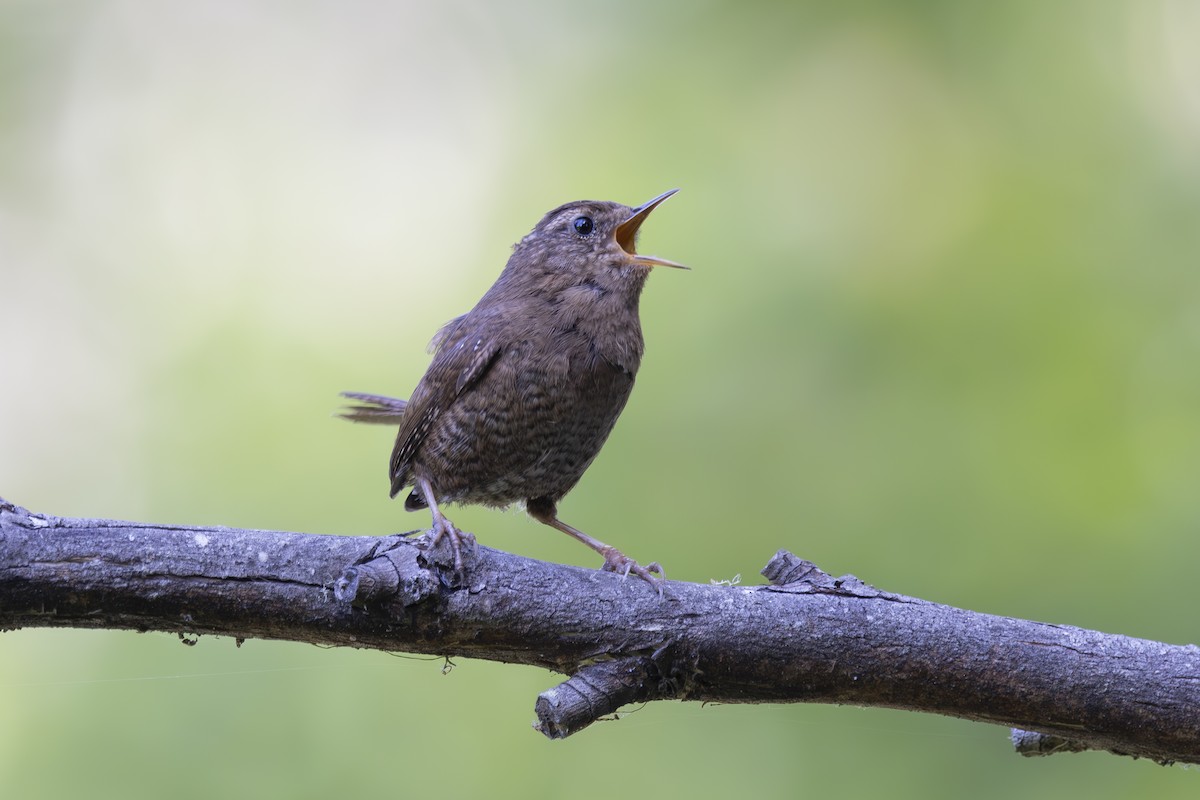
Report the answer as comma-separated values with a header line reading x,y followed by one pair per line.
x,y
526,430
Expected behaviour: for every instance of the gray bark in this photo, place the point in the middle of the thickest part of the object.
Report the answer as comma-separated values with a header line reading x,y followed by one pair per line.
x,y
806,637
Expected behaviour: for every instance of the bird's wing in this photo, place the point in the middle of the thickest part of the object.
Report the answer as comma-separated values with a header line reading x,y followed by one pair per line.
x,y
373,408
464,351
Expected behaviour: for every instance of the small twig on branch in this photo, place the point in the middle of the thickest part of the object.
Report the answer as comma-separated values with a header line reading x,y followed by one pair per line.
x,y
807,637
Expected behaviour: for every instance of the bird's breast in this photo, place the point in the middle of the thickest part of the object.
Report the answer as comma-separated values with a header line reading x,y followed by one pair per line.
x,y
597,327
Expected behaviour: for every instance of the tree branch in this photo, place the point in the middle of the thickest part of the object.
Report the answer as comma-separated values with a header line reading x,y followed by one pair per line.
x,y
807,637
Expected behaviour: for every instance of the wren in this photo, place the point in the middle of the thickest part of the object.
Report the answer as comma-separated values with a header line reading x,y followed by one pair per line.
x,y
524,388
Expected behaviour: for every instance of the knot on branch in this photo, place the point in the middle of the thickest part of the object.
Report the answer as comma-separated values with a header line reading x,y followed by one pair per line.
x,y
25,518
790,573
595,691
1032,744
399,569
787,568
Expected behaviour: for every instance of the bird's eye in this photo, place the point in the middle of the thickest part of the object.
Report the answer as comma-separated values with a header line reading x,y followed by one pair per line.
x,y
583,225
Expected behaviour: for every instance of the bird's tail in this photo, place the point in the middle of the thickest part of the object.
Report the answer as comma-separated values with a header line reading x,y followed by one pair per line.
x,y
373,408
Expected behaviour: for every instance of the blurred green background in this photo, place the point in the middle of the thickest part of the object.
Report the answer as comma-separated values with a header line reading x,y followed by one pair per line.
x,y
942,331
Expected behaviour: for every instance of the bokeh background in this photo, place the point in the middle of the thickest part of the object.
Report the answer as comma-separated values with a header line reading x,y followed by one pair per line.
x,y
942,331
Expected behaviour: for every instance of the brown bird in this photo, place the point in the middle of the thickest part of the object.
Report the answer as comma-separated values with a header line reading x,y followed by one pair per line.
x,y
524,388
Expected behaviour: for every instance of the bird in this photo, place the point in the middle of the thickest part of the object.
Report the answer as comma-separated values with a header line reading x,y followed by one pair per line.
x,y
523,390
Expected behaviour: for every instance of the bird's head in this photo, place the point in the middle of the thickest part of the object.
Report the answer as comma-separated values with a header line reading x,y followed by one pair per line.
x,y
588,242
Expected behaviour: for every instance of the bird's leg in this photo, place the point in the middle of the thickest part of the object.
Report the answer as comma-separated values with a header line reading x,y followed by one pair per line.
x,y
544,511
442,526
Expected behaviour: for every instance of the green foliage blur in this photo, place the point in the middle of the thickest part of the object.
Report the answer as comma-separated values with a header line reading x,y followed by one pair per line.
x,y
942,331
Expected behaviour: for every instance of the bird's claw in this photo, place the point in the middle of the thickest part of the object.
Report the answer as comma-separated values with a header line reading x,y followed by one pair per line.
x,y
443,528
623,565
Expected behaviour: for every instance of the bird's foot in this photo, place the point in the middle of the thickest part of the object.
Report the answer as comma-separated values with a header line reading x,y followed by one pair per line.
x,y
444,529
623,565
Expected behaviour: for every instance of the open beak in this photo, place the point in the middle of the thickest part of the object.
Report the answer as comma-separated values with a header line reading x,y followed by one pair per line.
x,y
626,234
